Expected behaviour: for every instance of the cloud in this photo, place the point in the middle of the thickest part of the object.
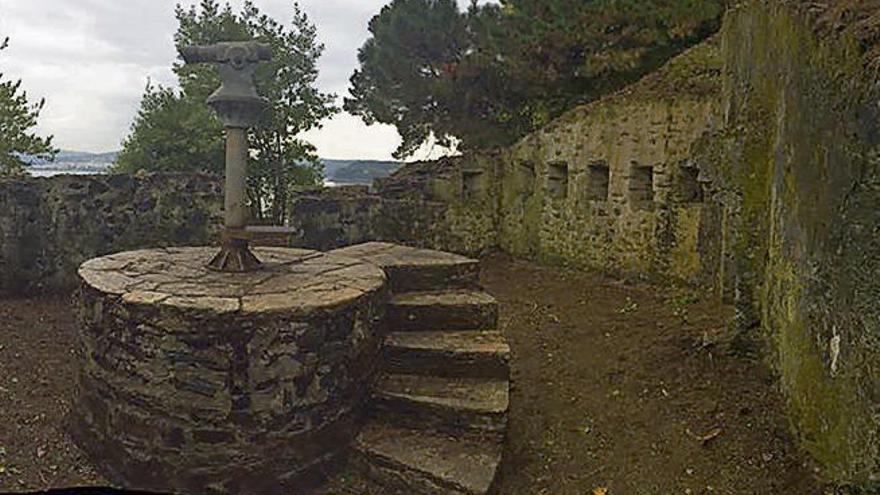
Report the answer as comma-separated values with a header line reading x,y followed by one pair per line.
x,y
91,59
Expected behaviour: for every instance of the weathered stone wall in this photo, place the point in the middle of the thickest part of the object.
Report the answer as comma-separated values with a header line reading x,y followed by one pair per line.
x,y
797,170
49,226
610,185
403,212
200,380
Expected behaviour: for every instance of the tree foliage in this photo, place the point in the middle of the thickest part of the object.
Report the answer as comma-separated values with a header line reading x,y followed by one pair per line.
x,y
175,130
173,133
489,75
17,119
404,77
566,52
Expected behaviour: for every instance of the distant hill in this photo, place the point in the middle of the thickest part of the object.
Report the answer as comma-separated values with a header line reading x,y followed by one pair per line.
x,y
80,162
358,171
72,162
69,157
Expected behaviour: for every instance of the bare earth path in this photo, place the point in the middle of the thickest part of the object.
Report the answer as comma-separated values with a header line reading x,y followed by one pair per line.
x,y
615,387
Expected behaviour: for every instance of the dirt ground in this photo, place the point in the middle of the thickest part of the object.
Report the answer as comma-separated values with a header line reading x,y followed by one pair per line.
x,y
618,388
37,369
615,387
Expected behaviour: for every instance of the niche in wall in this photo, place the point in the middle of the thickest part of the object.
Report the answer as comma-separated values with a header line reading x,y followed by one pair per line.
x,y
641,184
598,181
689,188
527,176
473,184
557,180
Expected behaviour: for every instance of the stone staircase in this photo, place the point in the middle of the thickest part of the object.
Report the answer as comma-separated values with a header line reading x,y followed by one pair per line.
x,y
438,414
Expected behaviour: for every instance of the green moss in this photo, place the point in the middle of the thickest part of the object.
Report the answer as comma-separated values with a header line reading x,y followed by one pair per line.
x,y
685,260
469,229
446,190
791,153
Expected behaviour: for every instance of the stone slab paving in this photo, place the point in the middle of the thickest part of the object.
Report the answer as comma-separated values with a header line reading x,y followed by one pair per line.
x,y
463,406
442,310
294,282
464,394
411,269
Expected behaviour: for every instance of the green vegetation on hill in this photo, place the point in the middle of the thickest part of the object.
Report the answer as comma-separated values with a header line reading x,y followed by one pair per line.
x,y
361,171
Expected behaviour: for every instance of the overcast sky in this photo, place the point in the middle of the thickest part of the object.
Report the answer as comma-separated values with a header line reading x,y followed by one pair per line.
x,y
91,59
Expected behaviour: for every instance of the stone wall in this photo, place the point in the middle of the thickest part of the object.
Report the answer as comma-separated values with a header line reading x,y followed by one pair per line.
x,y
331,218
611,185
798,168
49,226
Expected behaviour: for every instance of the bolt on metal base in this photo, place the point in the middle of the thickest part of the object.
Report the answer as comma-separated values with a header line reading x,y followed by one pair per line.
x,y
235,255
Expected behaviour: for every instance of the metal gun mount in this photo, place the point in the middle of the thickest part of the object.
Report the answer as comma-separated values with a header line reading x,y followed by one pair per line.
x,y
236,101
239,107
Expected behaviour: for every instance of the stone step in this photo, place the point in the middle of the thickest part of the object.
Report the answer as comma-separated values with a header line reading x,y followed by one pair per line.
x,y
449,310
466,406
426,463
449,354
411,269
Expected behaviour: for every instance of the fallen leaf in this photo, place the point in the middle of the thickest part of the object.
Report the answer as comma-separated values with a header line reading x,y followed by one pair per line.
x,y
712,435
600,491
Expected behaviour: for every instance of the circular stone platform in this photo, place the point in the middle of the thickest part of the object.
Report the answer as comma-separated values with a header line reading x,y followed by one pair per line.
x,y
198,381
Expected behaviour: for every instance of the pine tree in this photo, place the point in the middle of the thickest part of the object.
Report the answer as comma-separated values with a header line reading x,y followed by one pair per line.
x,y
17,118
485,77
406,75
567,52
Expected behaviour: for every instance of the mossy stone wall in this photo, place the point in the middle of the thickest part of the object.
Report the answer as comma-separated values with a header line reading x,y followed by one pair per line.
x,y
632,204
798,164
49,226
610,185
332,218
